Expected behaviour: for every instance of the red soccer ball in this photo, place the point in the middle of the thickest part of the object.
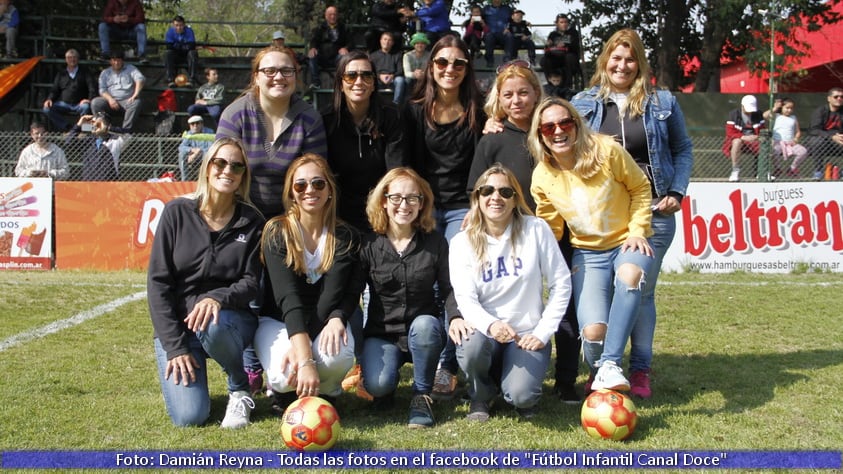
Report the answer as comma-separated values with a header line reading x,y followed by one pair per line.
x,y
609,415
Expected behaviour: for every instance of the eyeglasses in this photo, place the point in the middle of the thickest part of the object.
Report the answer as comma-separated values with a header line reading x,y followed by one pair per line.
x,y
350,77
412,199
458,63
548,129
272,71
513,63
236,167
504,192
300,185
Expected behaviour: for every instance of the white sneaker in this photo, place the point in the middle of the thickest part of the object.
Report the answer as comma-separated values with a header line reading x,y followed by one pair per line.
x,y
240,406
610,377
735,176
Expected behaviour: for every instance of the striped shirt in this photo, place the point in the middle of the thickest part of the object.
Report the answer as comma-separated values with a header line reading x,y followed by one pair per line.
x,y
268,159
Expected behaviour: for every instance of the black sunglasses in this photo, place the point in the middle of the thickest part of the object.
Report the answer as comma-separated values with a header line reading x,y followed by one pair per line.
x,y
487,190
458,63
548,129
318,184
350,77
235,166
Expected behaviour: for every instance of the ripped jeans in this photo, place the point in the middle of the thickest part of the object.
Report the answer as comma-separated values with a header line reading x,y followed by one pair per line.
x,y
601,299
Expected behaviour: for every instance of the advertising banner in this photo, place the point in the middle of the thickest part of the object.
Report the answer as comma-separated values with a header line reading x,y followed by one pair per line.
x,y
26,229
759,227
109,225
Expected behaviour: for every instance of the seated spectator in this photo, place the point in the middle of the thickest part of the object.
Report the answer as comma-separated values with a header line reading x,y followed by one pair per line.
x,y
415,61
389,68
123,20
742,128
562,51
786,136
279,40
181,49
41,159
522,38
9,22
73,89
386,16
119,86
497,266
554,87
195,141
328,42
825,132
103,148
475,30
209,97
497,17
434,17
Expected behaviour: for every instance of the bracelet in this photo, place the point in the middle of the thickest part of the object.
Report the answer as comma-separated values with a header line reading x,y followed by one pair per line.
x,y
306,362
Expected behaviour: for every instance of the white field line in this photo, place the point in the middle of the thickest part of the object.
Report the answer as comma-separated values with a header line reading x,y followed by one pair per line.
x,y
69,322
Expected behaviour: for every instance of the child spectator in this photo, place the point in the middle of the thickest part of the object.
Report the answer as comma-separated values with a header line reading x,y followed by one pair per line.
x,y
786,135
9,21
554,86
522,38
209,97
41,159
475,29
194,143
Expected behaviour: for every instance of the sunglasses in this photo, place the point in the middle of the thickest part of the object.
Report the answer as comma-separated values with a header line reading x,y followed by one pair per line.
x,y
300,185
504,192
236,167
513,63
412,199
350,77
837,97
459,64
272,71
548,129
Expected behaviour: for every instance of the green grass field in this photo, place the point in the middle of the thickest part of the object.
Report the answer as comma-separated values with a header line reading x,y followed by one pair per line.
x,y
743,362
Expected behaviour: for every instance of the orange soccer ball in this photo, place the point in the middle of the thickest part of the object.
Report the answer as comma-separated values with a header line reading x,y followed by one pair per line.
x,y
181,80
310,424
609,415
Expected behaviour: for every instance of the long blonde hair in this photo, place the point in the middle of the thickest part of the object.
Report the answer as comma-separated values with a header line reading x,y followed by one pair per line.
x,y
203,189
378,218
641,87
589,147
287,227
477,228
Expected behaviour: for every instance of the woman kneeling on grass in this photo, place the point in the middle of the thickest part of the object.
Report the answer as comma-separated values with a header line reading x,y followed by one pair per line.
x,y
403,260
498,264
314,284
203,271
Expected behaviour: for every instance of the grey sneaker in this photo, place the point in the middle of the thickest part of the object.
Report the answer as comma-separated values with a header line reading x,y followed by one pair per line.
x,y
610,376
478,411
240,406
421,412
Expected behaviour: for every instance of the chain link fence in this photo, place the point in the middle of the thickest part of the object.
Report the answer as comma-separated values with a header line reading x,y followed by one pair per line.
x,y
148,156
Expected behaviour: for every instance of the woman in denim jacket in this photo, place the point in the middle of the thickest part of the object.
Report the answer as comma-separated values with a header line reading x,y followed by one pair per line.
x,y
649,124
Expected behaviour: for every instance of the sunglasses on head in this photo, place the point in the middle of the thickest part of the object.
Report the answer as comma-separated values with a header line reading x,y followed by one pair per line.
x,y
487,189
513,63
236,167
548,129
458,63
350,77
300,185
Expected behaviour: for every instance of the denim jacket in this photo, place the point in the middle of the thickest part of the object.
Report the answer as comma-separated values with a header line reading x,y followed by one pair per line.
x,y
669,146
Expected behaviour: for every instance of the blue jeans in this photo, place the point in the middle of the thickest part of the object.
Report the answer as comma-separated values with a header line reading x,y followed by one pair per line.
x,y
54,113
223,342
448,223
601,298
108,30
521,372
641,353
382,359
212,111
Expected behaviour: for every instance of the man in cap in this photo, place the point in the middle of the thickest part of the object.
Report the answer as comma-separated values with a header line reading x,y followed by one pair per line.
x,y
278,39
194,143
742,128
119,86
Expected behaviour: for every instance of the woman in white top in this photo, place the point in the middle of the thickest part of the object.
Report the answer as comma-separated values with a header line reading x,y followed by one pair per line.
x,y
498,264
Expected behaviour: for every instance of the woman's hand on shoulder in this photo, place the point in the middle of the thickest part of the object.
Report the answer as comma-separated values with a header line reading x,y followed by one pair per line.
x,y
333,337
492,126
203,312
640,244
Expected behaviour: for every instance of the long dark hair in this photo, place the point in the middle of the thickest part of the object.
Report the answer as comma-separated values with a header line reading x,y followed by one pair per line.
x,y
373,115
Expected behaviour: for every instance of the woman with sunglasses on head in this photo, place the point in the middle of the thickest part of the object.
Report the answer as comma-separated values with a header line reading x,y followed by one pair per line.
x,y
622,102
403,259
313,285
510,107
276,126
500,265
443,122
589,182
204,270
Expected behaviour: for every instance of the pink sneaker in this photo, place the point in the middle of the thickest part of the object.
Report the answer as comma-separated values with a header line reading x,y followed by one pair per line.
x,y
586,389
255,381
640,381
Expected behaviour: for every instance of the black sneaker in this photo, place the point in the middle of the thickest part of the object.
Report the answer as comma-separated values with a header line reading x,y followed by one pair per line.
x,y
478,411
421,411
568,394
527,412
280,402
